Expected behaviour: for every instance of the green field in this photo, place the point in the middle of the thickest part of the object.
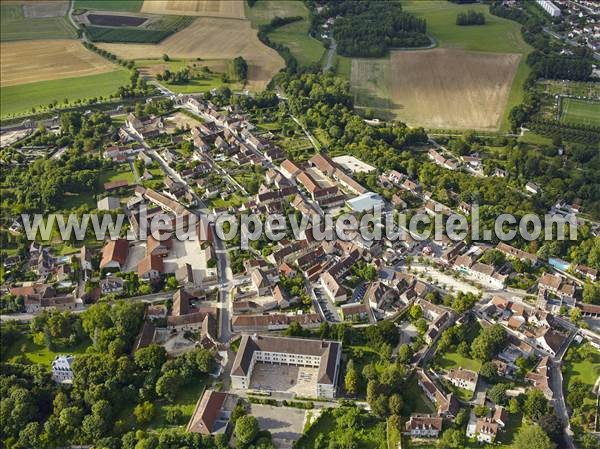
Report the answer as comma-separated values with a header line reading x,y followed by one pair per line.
x,y
153,34
15,26
18,100
581,112
305,49
110,5
586,370
264,11
497,35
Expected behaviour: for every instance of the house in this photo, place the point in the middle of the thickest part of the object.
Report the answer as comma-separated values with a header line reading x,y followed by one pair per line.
x,y
486,430
274,322
587,272
515,253
500,416
62,371
323,163
185,276
261,282
109,203
551,341
282,297
334,290
212,413
159,247
114,254
424,426
150,268
145,338
322,354
354,312
111,284
289,169
463,378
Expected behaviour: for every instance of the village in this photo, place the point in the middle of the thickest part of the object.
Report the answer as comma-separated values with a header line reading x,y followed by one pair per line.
x,y
204,161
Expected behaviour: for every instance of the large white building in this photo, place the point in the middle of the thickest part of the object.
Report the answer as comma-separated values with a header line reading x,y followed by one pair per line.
x,y
61,369
549,7
321,354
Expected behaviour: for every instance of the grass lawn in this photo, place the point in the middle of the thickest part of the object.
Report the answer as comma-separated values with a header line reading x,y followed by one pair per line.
x,y
112,5
185,401
40,354
120,173
586,370
535,139
20,99
264,11
15,26
415,398
306,49
454,360
234,200
372,435
74,201
498,35
580,112
214,81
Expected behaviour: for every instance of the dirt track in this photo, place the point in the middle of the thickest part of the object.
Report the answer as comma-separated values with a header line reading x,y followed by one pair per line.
x,y
210,38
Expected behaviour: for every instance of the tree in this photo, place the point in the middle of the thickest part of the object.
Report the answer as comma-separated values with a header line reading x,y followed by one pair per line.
x,y
168,384
246,430
489,341
452,439
415,312
351,379
591,293
174,416
489,371
553,426
535,405
151,357
395,404
404,353
144,412
513,406
575,315
532,437
498,394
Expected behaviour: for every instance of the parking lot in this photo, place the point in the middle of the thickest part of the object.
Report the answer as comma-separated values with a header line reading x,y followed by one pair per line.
x,y
285,424
297,380
329,310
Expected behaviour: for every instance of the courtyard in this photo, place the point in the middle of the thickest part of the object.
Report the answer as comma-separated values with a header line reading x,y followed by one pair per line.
x,y
298,380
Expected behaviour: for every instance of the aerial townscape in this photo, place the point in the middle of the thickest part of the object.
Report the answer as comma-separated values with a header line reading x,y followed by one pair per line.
x,y
196,205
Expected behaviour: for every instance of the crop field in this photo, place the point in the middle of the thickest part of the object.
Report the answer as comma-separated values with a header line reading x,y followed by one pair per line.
x,y
151,33
208,8
19,99
30,61
21,20
211,38
112,5
484,94
438,88
580,112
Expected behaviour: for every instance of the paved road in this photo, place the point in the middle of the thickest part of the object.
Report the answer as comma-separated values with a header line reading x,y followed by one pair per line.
x,y
330,55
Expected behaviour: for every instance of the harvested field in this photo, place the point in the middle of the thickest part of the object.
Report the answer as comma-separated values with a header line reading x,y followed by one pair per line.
x,y
40,10
115,20
210,38
31,61
21,20
209,8
443,88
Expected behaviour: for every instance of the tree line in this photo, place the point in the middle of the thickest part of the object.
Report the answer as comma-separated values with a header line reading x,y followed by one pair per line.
x,y
471,17
371,29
